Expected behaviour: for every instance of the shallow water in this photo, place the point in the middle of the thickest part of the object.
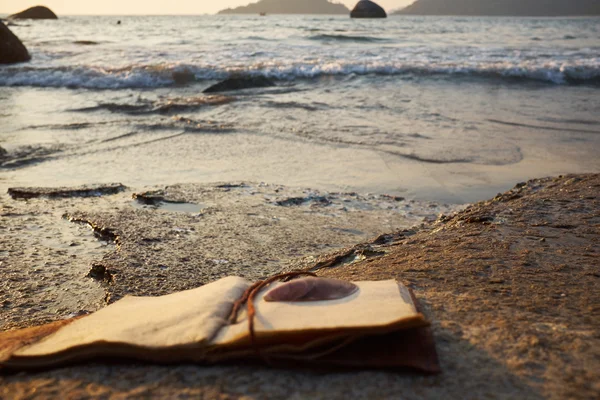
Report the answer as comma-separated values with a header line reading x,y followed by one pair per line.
x,y
449,109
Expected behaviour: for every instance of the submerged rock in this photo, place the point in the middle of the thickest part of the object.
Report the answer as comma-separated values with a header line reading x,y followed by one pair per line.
x,y
11,49
368,9
37,12
239,83
64,192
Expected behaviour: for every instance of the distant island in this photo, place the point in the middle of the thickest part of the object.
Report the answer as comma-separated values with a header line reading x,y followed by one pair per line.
x,y
530,8
289,7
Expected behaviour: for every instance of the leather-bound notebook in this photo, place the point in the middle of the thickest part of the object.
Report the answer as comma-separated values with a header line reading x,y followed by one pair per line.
x,y
309,322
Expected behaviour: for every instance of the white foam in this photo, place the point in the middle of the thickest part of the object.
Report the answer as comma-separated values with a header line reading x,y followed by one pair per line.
x,y
146,77
150,76
82,77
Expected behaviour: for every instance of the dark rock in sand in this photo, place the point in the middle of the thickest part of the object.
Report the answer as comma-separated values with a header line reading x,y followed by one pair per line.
x,y
368,9
11,49
240,83
156,197
37,12
63,192
100,273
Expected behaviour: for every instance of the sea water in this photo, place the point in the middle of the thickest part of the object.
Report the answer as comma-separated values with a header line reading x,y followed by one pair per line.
x,y
445,108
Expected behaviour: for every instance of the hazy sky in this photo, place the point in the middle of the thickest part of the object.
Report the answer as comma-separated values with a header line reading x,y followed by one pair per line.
x,y
121,7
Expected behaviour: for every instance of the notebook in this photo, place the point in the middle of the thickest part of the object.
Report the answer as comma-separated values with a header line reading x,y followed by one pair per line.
x,y
335,324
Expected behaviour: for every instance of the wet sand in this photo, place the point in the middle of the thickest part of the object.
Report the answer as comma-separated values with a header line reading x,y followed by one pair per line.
x,y
509,283
171,238
176,157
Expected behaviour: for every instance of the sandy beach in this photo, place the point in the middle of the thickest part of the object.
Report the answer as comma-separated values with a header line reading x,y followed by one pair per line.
x,y
508,283
175,238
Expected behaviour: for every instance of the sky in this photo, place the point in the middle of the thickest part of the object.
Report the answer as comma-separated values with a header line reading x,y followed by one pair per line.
x,y
147,7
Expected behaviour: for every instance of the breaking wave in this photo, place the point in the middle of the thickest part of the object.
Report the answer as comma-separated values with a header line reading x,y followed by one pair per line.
x,y
164,75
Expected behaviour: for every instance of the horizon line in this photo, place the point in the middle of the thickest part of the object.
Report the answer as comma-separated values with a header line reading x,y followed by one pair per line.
x,y
4,15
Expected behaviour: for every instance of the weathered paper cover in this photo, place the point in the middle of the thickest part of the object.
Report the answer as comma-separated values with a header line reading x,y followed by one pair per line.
x,y
192,326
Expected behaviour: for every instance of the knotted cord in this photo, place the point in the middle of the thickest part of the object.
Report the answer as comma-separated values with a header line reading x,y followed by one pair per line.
x,y
248,299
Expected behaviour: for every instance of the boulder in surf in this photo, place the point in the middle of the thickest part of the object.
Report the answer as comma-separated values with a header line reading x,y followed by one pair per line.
x,y
11,49
37,12
368,9
184,76
239,83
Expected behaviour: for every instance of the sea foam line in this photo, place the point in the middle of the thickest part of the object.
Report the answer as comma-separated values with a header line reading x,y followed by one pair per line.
x,y
150,76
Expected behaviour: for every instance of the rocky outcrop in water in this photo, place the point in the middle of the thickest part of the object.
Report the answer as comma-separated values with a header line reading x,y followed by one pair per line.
x,y
289,7
506,7
368,9
11,49
37,12
240,83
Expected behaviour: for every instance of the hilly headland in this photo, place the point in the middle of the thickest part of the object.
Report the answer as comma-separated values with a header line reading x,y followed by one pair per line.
x,y
549,8
289,7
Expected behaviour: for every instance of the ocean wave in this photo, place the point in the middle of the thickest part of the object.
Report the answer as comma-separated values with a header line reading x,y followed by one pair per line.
x,y
84,77
164,75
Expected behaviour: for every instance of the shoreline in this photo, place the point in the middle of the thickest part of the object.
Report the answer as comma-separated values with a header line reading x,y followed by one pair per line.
x,y
293,162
